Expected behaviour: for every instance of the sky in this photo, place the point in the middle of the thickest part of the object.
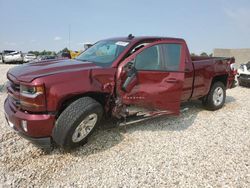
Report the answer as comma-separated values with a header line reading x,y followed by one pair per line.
x,y
44,24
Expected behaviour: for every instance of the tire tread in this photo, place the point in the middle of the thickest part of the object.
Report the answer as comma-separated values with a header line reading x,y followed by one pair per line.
x,y
69,116
208,100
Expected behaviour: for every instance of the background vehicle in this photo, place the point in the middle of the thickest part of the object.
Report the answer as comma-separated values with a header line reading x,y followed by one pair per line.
x,y
131,78
69,54
29,57
1,58
74,54
64,55
46,57
10,56
244,74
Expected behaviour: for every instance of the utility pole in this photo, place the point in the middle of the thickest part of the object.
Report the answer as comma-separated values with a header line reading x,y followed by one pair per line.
x,y
69,35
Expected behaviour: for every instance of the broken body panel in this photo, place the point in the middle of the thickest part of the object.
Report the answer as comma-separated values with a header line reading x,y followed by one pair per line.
x,y
158,90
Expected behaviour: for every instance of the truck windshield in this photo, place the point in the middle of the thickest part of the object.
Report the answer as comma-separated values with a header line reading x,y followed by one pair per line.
x,y
103,53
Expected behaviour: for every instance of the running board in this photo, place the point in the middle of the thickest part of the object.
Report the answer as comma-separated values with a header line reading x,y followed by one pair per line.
x,y
137,119
140,118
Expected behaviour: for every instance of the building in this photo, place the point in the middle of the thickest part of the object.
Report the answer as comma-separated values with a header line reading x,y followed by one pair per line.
x,y
241,55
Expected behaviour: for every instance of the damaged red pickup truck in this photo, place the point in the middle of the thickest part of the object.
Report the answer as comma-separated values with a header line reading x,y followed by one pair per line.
x,y
63,101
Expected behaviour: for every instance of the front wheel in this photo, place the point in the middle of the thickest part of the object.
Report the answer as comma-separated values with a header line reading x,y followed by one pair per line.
x,y
77,122
216,97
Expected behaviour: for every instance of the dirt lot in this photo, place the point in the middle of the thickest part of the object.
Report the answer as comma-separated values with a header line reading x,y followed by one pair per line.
x,y
198,149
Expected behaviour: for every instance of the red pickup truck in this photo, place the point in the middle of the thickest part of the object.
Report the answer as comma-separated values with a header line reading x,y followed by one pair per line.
x,y
62,101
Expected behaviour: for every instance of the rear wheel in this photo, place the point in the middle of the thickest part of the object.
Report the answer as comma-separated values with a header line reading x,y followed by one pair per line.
x,y
77,122
216,97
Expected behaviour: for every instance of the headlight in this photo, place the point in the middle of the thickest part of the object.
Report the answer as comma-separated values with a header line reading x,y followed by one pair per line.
x,y
31,91
32,98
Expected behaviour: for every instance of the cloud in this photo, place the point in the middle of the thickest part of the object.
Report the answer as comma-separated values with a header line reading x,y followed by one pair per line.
x,y
57,38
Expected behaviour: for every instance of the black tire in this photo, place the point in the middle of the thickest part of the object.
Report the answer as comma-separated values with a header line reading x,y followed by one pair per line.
x,y
70,119
208,101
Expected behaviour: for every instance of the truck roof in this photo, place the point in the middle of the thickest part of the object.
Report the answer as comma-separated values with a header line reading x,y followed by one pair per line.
x,y
141,38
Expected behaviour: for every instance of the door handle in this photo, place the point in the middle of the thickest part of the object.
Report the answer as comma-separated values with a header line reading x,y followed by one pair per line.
x,y
172,80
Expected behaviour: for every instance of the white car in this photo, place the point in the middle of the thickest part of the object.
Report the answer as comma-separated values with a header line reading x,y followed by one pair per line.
x,y
29,57
243,74
12,56
1,58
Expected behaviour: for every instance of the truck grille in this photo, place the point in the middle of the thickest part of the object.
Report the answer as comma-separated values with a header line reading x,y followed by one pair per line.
x,y
13,88
245,76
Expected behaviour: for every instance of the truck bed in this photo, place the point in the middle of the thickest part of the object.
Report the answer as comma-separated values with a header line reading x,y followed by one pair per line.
x,y
206,69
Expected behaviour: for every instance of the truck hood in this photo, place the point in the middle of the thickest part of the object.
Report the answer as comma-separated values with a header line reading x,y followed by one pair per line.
x,y
30,71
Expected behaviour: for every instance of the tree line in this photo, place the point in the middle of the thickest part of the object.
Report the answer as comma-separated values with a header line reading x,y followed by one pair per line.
x,y
204,54
46,52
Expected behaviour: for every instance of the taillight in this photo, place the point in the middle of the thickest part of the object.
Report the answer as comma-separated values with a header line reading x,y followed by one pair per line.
x,y
32,98
233,68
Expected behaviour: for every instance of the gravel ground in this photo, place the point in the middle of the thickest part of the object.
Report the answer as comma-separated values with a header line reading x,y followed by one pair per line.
x,y
197,149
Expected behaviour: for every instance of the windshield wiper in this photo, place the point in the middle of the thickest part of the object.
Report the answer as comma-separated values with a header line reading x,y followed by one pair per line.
x,y
83,60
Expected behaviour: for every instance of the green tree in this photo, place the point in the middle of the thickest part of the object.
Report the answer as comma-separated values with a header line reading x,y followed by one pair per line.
x,y
44,52
36,53
64,50
204,54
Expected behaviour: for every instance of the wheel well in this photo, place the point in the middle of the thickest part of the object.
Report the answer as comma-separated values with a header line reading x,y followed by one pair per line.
x,y
99,97
220,78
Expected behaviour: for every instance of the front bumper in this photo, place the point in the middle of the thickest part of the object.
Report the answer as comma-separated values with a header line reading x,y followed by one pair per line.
x,y
44,143
39,126
244,80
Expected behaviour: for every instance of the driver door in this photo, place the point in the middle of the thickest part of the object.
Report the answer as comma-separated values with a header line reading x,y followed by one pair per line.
x,y
153,77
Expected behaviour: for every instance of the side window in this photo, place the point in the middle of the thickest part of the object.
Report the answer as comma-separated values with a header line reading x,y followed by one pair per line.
x,y
148,59
171,56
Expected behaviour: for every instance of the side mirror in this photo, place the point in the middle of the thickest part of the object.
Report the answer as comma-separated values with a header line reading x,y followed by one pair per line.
x,y
131,75
130,65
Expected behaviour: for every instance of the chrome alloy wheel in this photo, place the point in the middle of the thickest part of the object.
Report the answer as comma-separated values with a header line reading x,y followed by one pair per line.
x,y
84,128
218,96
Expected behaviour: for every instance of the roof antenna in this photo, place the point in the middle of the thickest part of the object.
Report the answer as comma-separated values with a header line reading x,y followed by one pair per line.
x,y
130,36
